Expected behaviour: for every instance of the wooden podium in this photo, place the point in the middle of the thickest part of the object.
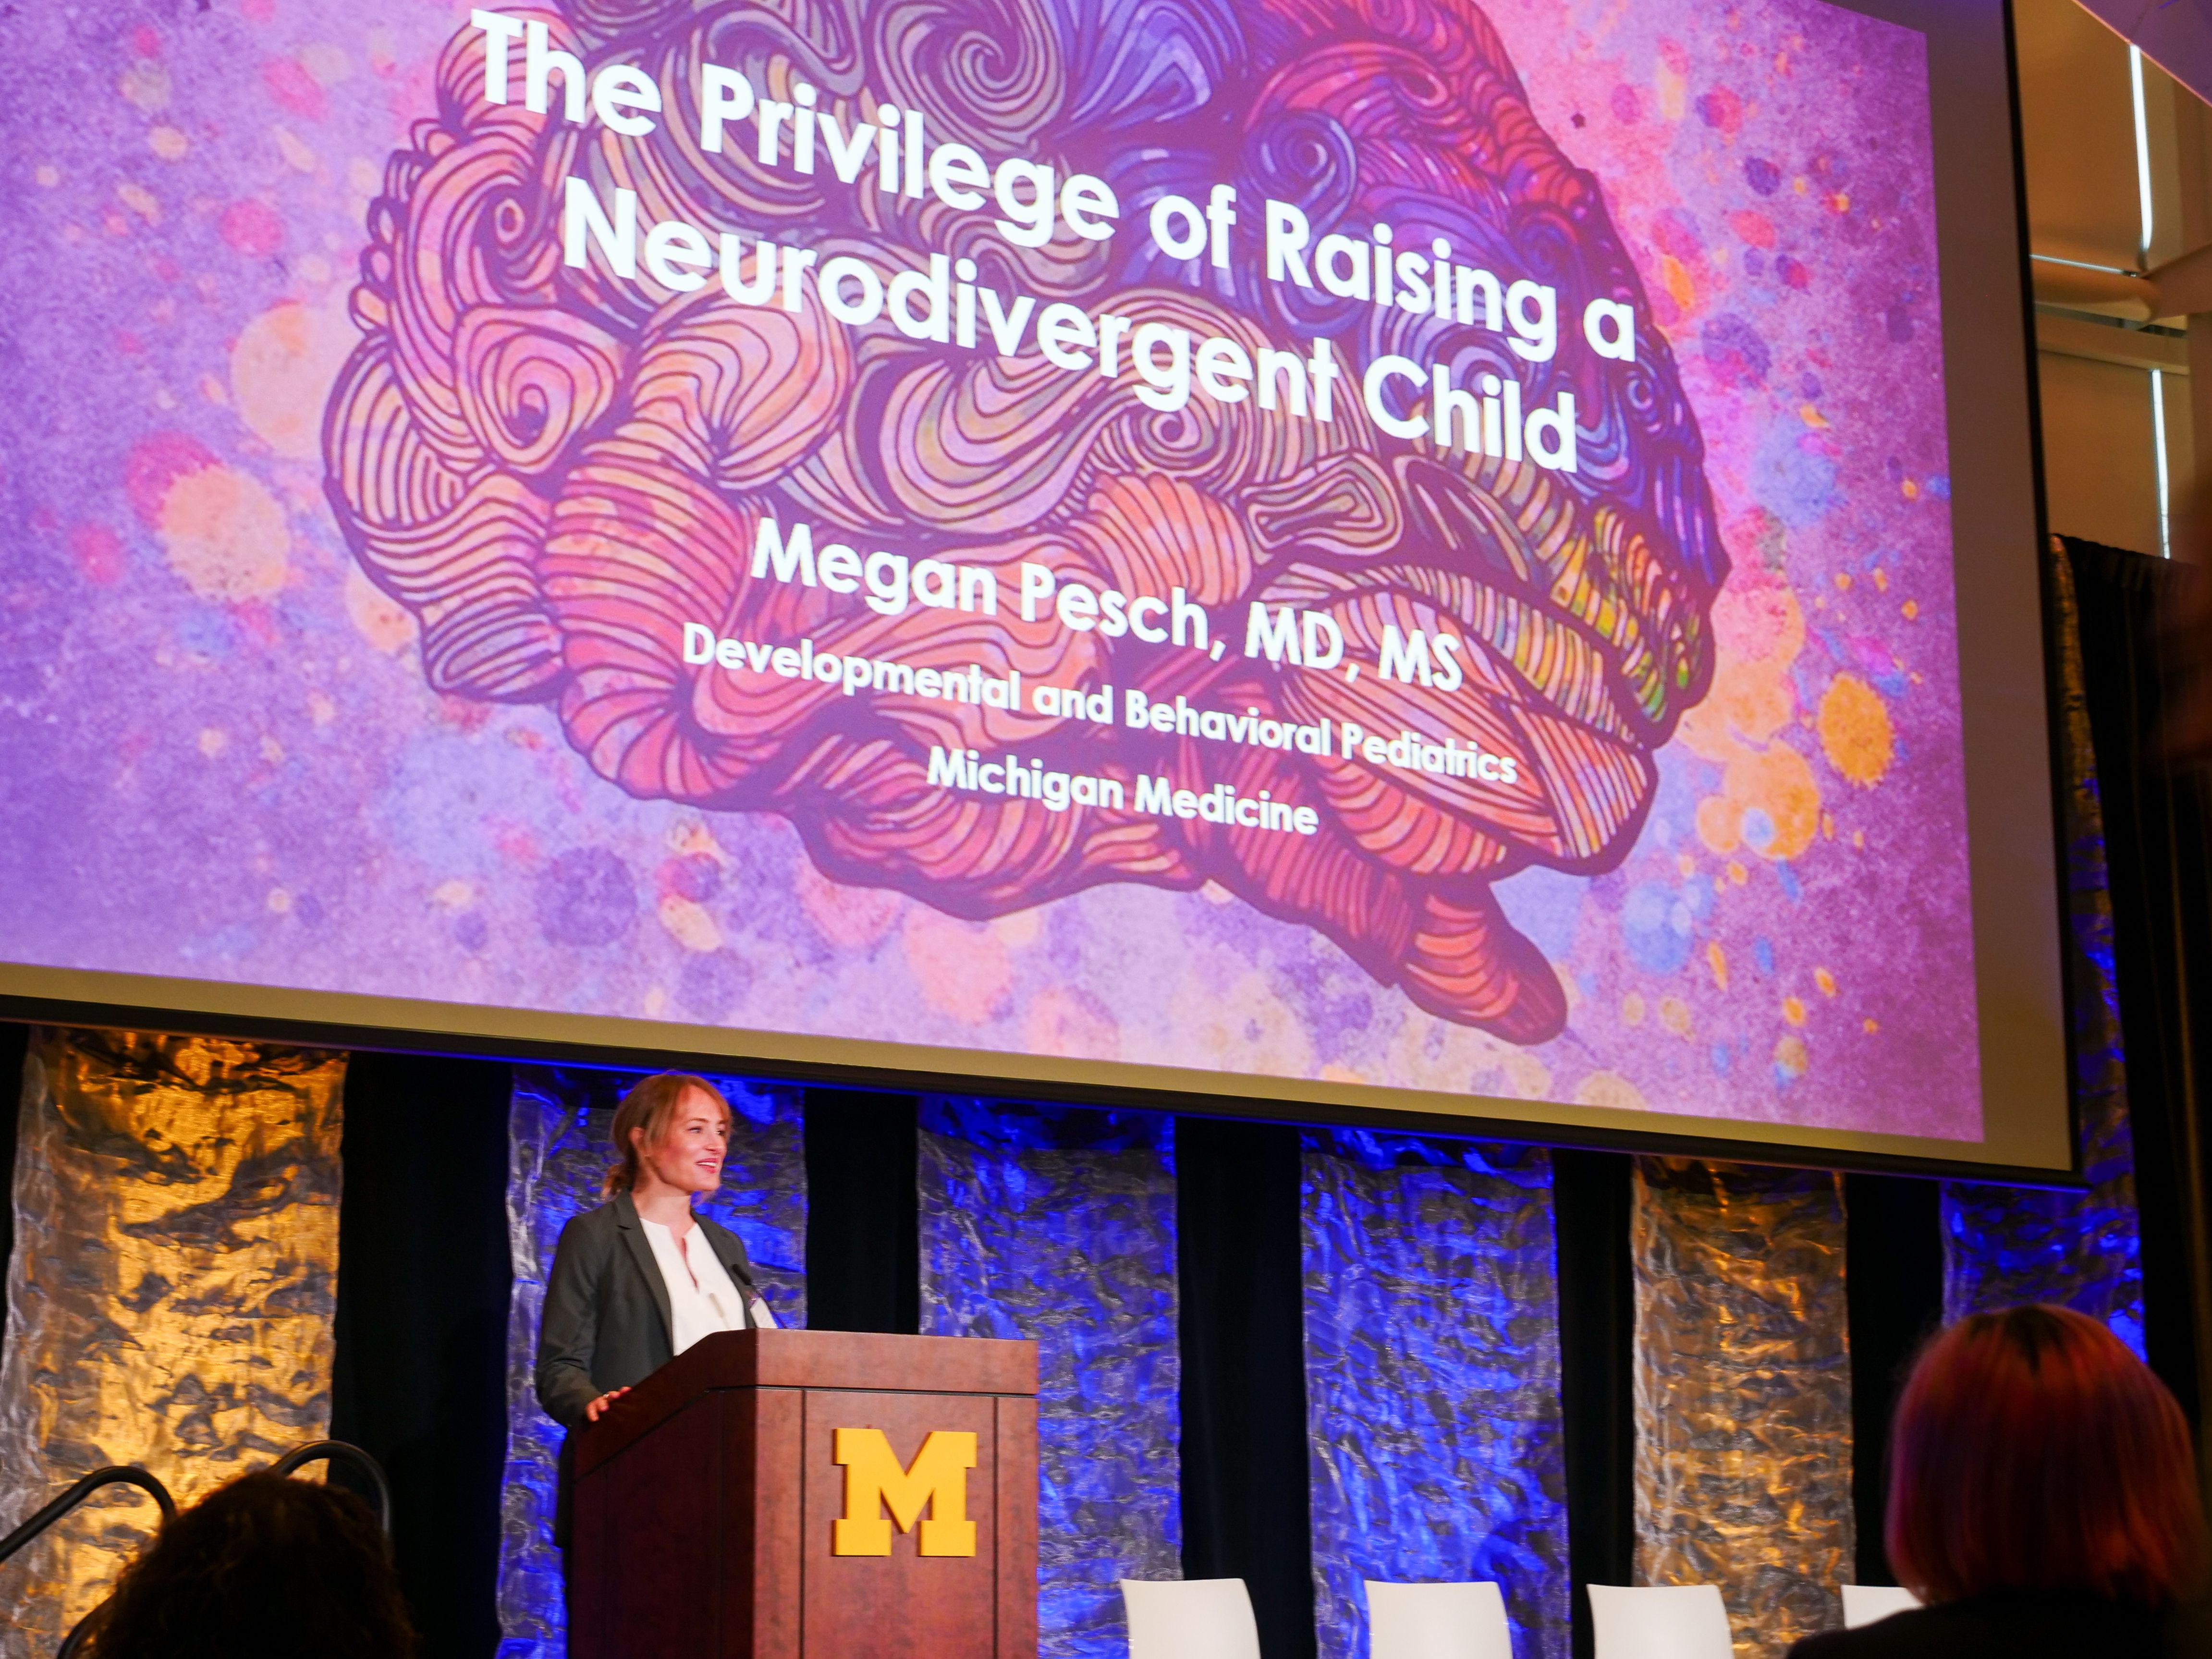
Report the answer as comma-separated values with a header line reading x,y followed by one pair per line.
x,y
720,1513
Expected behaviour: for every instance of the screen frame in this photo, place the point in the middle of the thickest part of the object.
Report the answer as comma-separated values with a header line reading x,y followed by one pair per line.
x,y
2009,739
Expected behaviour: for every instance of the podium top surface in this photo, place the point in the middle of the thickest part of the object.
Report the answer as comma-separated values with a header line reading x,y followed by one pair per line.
x,y
862,1360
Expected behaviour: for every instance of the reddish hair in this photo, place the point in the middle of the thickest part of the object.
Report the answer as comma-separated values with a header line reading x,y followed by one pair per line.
x,y
648,1108
259,1568
2032,1451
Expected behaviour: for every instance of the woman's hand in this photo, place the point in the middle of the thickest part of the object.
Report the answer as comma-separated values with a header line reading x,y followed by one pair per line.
x,y
593,1411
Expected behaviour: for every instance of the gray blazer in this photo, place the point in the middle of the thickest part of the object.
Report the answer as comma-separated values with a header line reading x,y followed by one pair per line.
x,y
606,1323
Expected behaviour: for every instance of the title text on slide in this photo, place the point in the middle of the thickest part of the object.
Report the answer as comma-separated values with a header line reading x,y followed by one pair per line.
x,y
942,301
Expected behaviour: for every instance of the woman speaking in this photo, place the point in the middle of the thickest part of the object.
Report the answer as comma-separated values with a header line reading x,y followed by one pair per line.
x,y
640,1279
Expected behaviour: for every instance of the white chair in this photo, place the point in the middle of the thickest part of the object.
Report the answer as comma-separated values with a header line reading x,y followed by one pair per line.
x,y
1868,1604
1190,1618
1660,1621
1437,1621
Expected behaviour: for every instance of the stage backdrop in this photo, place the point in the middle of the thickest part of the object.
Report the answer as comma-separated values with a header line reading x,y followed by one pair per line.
x,y
1059,1224
1351,549
1432,1379
1745,1471
1743,1394
170,1294
2004,1245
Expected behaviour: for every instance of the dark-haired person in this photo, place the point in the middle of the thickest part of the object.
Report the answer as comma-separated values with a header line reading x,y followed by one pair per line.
x,y
261,1568
639,1279
2043,1499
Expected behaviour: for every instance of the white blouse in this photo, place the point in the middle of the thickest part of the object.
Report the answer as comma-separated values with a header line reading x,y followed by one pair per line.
x,y
702,1296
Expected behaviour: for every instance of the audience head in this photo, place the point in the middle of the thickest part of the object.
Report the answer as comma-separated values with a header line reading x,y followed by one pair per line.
x,y
2032,1451
262,1568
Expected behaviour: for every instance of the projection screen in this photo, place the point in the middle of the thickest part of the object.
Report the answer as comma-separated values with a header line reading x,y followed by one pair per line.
x,y
1312,556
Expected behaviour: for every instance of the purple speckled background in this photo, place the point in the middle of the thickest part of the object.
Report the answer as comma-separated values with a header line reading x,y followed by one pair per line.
x,y
219,758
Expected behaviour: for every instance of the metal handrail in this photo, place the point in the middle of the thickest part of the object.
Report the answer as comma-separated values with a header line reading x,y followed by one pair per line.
x,y
114,1475
340,1451
78,1631
325,1451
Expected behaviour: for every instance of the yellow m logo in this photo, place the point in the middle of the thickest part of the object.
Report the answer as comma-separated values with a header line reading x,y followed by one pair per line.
x,y
875,1481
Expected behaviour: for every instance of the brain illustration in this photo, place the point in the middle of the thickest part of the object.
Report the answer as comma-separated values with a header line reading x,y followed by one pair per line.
x,y
554,469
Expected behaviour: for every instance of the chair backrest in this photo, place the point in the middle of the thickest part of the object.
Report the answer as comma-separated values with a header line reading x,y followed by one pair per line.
x,y
1660,1621
1867,1604
1437,1621
1190,1618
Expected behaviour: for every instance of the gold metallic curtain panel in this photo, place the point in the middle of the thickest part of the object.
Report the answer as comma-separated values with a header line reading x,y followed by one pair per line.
x,y
1743,1394
170,1297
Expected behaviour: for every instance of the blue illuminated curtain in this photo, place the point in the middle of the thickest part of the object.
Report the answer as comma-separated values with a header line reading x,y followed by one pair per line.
x,y
2003,1245
1432,1378
560,1152
1058,1224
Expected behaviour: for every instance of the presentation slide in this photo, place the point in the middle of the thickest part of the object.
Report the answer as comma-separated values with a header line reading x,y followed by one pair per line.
x,y
1328,550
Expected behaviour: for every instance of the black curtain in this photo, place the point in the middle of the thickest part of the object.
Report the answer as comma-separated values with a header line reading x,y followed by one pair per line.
x,y
1893,1298
863,1215
1239,1251
419,1379
2134,666
15,1048
1592,1197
